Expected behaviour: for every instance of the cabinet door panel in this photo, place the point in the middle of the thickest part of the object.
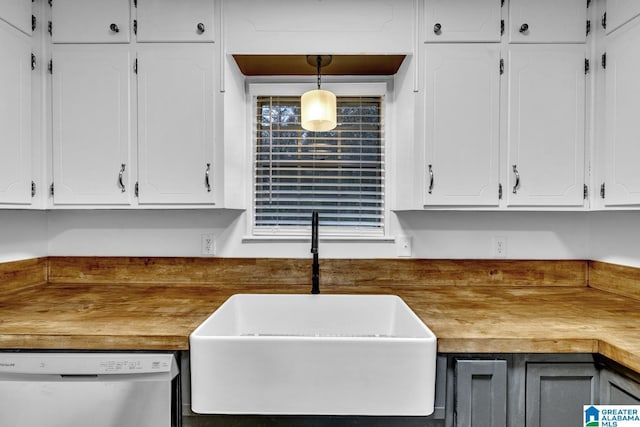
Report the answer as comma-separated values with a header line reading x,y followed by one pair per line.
x,y
622,93
546,115
481,393
548,21
91,124
90,21
170,21
556,392
616,389
15,116
621,11
462,20
17,13
176,111
462,95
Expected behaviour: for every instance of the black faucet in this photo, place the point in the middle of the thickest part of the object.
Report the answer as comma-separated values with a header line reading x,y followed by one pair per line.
x,y
315,271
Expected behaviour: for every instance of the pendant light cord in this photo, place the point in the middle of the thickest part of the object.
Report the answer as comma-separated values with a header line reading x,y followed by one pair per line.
x,y
319,62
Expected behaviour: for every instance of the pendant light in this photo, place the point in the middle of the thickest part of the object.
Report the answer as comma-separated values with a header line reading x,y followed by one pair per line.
x,y
318,106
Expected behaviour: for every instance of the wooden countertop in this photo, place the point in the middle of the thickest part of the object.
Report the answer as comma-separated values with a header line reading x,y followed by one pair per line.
x,y
466,319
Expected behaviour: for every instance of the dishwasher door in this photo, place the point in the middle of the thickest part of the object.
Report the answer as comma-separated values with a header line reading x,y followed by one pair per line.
x,y
87,389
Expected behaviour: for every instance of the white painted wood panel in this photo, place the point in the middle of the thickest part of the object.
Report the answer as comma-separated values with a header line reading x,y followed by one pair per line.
x,y
546,116
176,21
462,105
462,20
620,12
622,107
312,26
90,21
92,118
15,116
176,124
17,13
548,21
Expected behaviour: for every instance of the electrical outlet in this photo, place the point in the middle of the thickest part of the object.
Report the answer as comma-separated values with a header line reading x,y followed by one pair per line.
x,y
403,246
499,247
208,243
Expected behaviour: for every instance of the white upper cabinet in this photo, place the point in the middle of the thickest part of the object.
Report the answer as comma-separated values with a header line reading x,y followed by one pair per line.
x,y
547,21
176,124
546,117
462,20
313,26
92,118
622,111
91,21
175,21
15,116
620,12
17,13
462,98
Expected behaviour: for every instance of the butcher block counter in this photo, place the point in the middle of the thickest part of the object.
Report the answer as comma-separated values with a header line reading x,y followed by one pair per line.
x,y
471,306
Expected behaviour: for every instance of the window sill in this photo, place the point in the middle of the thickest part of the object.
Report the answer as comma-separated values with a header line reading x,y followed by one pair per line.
x,y
329,239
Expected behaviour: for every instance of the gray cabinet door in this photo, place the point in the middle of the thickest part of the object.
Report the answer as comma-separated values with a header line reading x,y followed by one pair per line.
x,y
480,393
616,389
556,393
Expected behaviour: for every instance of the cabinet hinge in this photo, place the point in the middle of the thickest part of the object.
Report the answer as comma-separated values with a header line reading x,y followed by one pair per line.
x,y
499,191
50,28
135,3
501,66
33,22
586,66
588,3
501,3
604,60
135,26
137,189
50,67
502,27
585,192
33,189
50,3
51,189
33,62
588,27
602,191
135,66
604,20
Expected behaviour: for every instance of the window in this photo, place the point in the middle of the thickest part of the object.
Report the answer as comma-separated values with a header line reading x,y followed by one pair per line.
x,y
339,173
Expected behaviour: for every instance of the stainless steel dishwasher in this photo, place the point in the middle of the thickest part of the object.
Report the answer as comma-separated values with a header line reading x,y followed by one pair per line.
x,y
89,389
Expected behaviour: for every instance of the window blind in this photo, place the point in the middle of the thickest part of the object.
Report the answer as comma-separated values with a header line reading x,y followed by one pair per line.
x,y
339,173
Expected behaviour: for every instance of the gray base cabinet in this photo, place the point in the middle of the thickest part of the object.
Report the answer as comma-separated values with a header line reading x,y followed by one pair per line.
x,y
480,393
617,389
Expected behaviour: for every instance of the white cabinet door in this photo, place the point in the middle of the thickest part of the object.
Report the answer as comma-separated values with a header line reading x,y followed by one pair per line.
x,y
92,124
622,109
462,20
620,12
15,116
17,13
175,21
91,21
462,98
548,21
546,117
175,124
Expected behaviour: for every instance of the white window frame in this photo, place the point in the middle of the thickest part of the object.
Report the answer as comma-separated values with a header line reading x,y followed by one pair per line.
x,y
356,88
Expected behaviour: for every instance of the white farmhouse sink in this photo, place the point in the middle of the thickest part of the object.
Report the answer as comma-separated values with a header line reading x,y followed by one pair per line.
x,y
313,354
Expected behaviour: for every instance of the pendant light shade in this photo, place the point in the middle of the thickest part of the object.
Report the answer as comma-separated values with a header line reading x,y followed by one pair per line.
x,y
318,110
318,106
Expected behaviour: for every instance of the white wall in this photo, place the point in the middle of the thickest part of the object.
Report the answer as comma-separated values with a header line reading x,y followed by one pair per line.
x,y
615,237
23,235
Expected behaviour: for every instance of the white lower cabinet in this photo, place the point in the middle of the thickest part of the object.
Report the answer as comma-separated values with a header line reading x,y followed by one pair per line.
x,y
176,124
462,117
92,125
15,116
546,126
621,185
